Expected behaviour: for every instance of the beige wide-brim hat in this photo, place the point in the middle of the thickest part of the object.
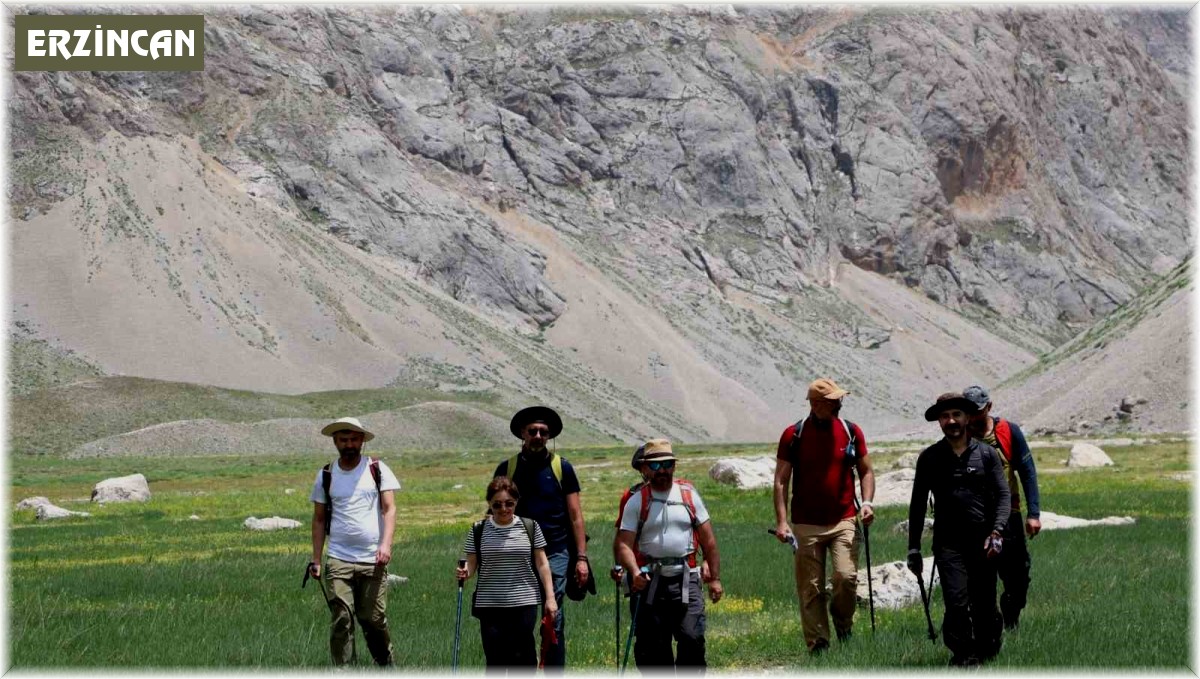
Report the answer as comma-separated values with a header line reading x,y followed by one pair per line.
x,y
347,424
657,450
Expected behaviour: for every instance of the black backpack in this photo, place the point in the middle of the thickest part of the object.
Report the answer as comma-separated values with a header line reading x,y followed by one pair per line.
x,y
327,479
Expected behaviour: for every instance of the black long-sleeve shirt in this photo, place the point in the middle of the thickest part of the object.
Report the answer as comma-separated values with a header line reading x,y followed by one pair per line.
x,y
970,493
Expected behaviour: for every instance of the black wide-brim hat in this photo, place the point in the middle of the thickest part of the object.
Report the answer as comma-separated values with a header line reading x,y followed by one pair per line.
x,y
951,401
575,591
535,414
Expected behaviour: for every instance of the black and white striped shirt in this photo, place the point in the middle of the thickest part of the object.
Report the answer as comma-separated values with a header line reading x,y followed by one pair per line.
x,y
507,577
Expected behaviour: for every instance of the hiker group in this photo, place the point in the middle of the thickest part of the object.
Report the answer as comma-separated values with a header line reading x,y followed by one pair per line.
x,y
531,549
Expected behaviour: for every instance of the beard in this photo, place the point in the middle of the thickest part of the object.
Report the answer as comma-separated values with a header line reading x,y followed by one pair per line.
x,y
350,451
953,430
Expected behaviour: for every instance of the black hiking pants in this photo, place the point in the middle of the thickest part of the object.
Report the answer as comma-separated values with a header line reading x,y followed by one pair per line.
x,y
666,618
508,638
972,624
1013,567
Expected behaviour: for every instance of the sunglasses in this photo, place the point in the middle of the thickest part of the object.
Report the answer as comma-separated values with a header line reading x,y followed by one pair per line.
x,y
507,504
660,465
538,433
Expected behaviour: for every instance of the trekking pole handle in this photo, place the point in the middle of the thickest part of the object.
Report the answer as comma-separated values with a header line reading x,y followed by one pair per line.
x,y
462,563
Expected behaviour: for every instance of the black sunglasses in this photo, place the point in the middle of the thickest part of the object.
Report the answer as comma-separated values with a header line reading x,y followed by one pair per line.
x,y
659,465
507,504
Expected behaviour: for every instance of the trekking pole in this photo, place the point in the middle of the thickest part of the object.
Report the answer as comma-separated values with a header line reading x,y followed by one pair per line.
x,y
870,586
925,603
617,570
462,563
637,604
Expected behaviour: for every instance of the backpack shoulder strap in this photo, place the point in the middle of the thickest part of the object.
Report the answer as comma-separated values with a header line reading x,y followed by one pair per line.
x,y
373,465
685,490
529,530
1003,437
477,537
643,512
512,466
794,448
326,481
556,468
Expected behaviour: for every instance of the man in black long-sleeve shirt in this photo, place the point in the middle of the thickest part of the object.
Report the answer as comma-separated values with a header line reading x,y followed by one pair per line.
x,y
966,477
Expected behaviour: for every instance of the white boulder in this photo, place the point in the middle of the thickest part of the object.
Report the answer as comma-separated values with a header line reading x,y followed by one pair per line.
x,y
1088,455
49,511
744,472
1052,521
33,502
272,523
894,488
902,528
132,488
395,580
895,586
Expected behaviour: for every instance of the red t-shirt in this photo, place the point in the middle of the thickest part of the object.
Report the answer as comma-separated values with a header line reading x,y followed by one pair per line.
x,y
822,482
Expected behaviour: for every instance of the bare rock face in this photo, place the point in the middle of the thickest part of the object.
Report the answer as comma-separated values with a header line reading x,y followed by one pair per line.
x,y
744,472
33,502
132,488
1088,455
47,512
272,523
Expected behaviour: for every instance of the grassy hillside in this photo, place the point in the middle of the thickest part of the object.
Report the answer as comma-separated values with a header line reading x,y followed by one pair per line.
x,y
35,364
54,421
1113,326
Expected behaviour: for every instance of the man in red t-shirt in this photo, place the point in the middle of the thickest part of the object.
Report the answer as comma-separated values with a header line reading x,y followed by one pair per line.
x,y
819,466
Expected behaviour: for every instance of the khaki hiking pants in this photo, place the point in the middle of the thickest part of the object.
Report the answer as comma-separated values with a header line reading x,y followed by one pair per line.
x,y
840,541
358,592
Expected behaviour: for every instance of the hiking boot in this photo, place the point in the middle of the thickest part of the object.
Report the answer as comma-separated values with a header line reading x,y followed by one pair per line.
x,y
819,647
844,636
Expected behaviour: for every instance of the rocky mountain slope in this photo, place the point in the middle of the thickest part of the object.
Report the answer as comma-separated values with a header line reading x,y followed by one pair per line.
x,y
664,221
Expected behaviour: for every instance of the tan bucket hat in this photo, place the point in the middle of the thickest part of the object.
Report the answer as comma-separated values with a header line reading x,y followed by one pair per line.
x,y
344,424
657,450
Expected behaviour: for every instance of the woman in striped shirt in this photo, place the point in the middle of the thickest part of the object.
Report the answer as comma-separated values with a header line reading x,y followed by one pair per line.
x,y
509,554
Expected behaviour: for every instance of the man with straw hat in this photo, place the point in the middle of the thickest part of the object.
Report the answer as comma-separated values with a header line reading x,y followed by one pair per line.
x,y
355,512
662,526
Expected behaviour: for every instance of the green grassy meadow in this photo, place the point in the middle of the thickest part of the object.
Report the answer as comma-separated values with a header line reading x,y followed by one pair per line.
x,y
142,586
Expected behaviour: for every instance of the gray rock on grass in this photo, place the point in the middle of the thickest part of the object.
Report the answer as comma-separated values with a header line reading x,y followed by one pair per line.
x,y
894,488
1088,455
894,585
33,502
132,488
272,523
744,472
48,511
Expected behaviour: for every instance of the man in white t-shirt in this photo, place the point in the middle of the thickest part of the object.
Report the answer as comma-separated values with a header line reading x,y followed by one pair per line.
x,y
667,596
353,505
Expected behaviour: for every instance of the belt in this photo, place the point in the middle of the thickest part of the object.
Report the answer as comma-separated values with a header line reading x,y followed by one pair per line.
x,y
656,566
